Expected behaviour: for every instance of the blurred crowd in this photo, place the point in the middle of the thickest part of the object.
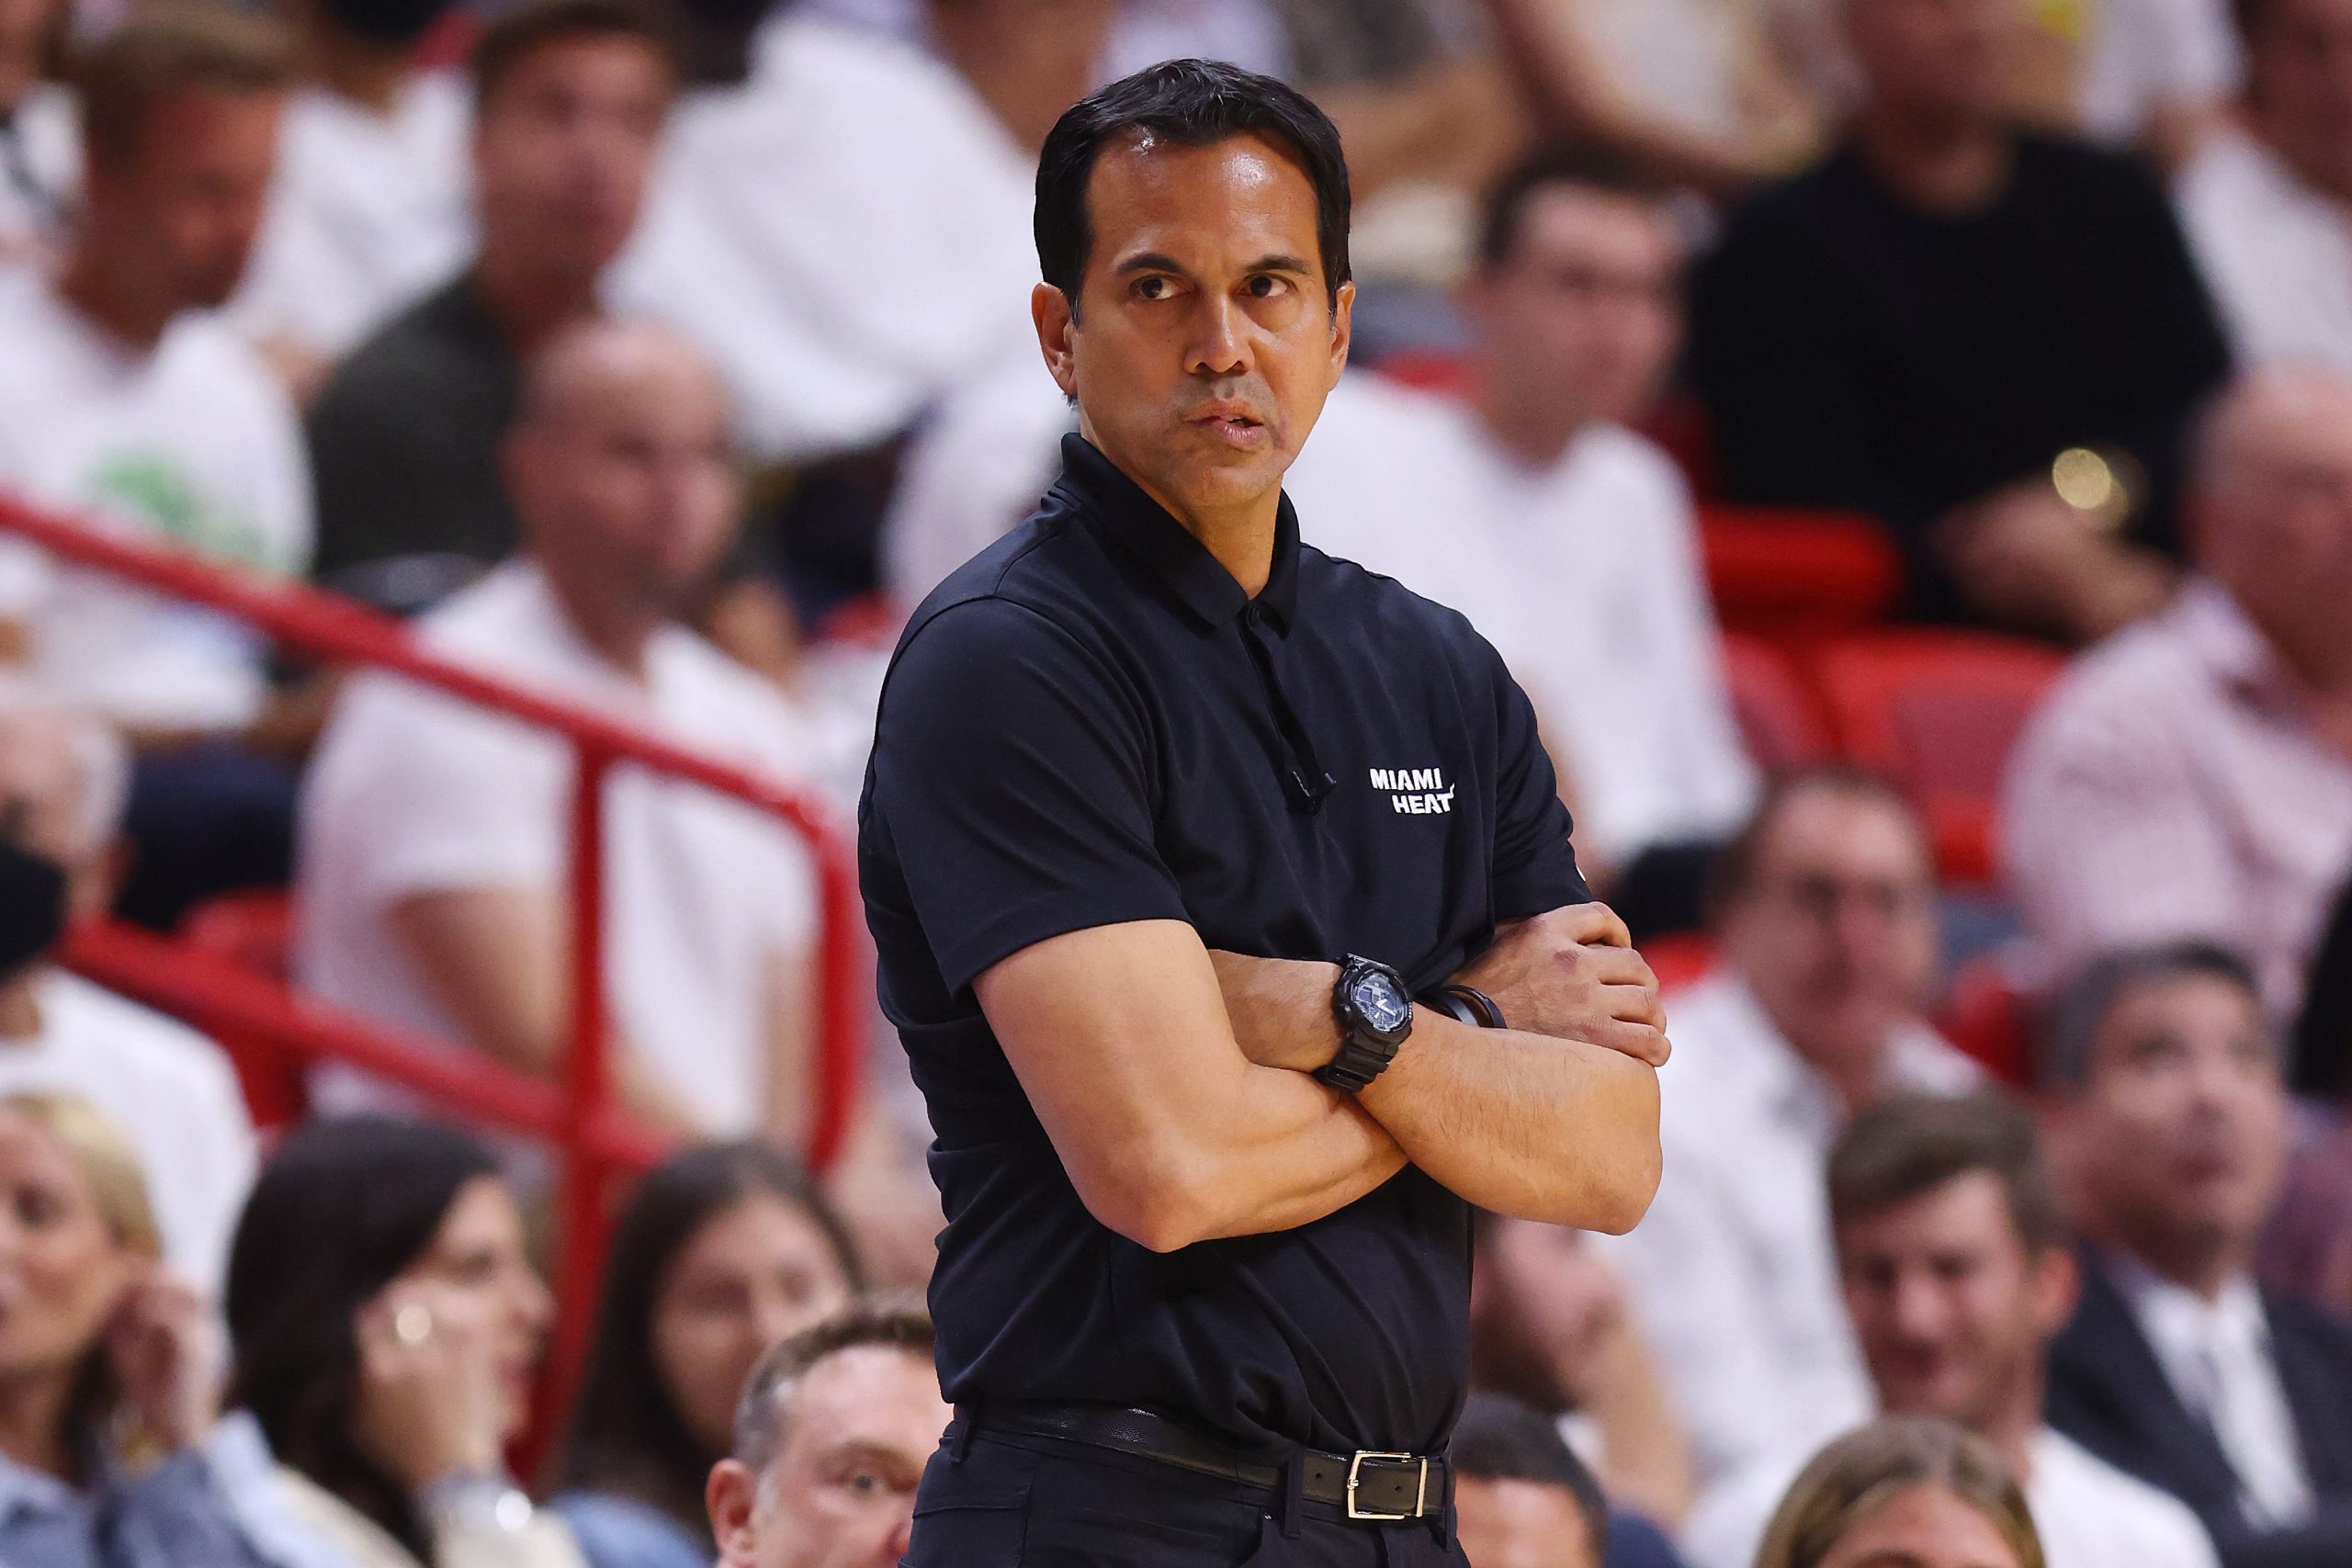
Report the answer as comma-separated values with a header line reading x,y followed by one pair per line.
x,y
660,357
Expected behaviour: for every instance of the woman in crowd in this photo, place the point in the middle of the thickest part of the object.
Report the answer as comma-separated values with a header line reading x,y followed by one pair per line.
x,y
721,1253
387,1325
1908,1491
112,1455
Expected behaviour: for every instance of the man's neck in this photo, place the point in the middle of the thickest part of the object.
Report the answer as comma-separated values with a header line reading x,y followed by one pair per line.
x,y
20,1008
530,303
2204,1265
1950,165
32,1415
1535,437
616,633
93,289
1241,538
358,69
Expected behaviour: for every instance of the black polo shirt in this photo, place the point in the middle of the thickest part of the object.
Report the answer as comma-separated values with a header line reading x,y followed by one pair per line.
x,y
1090,723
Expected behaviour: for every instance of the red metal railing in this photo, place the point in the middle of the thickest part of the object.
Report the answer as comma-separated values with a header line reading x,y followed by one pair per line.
x,y
594,1139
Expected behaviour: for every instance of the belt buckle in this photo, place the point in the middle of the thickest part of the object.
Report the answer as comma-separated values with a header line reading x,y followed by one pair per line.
x,y
1355,1469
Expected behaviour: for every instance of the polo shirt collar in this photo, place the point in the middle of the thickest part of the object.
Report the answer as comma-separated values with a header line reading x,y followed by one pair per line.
x,y
1126,513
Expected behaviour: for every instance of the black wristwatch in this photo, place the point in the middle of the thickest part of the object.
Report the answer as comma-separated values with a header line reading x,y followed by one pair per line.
x,y
1376,1014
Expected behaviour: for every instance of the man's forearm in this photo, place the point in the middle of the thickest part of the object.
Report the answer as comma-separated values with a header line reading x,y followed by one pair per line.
x,y
1324,1154
1543,1129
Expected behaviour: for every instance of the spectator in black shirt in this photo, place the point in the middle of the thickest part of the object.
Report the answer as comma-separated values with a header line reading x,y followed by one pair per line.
x,y
1991,340
571,96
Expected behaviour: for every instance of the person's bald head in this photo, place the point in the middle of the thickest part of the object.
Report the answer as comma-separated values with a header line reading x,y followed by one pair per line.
x,y
2273,502
620,467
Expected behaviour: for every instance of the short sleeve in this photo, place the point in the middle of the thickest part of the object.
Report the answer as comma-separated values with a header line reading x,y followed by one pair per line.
x,y
1535,865
447,799
1013,777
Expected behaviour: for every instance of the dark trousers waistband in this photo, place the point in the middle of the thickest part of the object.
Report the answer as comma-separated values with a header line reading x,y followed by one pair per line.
x,y
1371,1486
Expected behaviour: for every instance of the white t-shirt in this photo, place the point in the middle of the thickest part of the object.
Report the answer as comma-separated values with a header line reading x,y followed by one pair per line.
x,y
1733,1274
2142,55
40,173
169,1088
412,792
2277,253
1684,60
847,235
193,442
367,211
1585,572
2088,1514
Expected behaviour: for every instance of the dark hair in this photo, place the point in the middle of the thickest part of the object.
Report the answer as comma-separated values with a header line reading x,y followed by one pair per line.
x,y
764,1416
1499,1438
519,31
1848,1480
1735,868
168,48
343,1207
2323,1027
625,1435
1908,1146
1585,164
1192,103
2072,1025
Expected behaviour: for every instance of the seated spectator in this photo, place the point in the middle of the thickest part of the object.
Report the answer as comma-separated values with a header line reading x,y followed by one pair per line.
x,y
112,1450
720,1255
432,868
834,1428
370,202
569,99
1549,1325
2194,777
796,228
387,1327
36,137
124,400
2177,1366
1915,1493
1567,539
1523,1499
170,1090
1991,340
2264,202
1957,1269
1825,924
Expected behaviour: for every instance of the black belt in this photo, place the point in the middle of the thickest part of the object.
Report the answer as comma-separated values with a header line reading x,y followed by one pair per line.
x,y
1371,1486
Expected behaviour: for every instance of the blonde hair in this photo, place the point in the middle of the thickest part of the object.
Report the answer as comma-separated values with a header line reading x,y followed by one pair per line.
x,y
1858,1473
107,1159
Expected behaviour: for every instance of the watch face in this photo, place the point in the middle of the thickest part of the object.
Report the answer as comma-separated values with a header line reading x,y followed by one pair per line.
x,y
1380,1003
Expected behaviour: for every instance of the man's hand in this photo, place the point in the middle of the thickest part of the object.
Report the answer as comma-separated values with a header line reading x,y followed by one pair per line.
x,y
1573,974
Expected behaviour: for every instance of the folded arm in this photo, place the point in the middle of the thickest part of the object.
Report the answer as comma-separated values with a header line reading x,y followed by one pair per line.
x,y
1119,1035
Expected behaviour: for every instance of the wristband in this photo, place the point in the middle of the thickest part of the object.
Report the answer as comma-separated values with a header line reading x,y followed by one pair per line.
x,y
1487,1014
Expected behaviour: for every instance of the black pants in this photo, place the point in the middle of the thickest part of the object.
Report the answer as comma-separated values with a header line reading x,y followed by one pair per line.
x,y
1009,1500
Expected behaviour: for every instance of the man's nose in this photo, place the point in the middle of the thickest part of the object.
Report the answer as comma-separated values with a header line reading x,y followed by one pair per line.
x,y
1220,340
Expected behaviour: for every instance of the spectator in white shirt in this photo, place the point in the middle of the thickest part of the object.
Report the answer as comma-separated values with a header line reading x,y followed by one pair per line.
x,y
432,871
370,205
2193,776
39,165
1826,934
62,777
1566,538
1957,1270
125,401
846,233
2178,1366
2267,203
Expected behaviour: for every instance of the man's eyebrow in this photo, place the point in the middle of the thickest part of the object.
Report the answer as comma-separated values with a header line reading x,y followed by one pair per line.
x,y
1148,260
1283,262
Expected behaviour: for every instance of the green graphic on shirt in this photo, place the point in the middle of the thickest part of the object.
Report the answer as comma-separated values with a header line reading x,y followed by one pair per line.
x,y
154,487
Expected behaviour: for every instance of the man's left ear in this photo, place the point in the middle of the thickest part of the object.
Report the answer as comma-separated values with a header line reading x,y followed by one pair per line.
x,y
1343,309
2057,1286
731,1495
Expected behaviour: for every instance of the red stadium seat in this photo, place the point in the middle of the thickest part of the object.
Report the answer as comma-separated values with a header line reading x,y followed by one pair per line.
x,y
1784,572
1679,960
1938,711
1778,718
254,930
1991,1020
